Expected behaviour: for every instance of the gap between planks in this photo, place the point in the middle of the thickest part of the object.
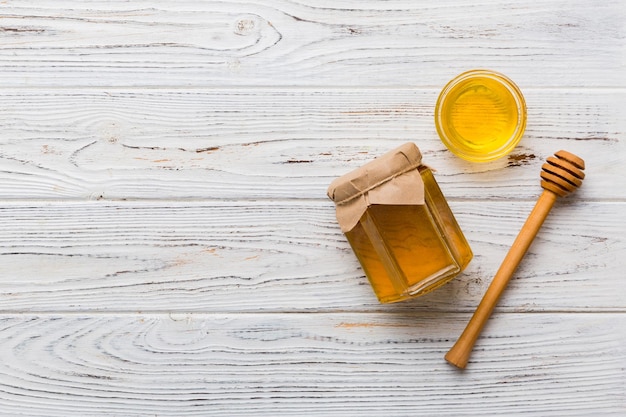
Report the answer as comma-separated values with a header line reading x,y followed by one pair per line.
x,y
273,313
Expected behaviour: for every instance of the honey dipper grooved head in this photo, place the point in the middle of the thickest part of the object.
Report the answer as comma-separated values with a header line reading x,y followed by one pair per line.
x,y
562,173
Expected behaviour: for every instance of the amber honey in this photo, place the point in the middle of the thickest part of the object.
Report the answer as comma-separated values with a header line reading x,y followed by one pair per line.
x,y
407,246
480,115
410,250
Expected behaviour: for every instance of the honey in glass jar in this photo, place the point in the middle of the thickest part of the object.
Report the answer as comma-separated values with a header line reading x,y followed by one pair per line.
x,y
399,225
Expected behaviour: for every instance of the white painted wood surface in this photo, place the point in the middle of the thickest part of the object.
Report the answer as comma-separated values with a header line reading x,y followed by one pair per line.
x,y
167,247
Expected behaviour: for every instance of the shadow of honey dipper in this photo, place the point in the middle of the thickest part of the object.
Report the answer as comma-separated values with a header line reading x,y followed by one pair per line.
x,y
560,175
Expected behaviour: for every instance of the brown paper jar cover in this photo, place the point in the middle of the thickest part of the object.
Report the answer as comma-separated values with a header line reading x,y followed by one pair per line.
x,y
399,225
389,179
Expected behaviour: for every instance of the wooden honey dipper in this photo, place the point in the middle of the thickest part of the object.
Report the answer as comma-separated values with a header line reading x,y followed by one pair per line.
x,y
560,176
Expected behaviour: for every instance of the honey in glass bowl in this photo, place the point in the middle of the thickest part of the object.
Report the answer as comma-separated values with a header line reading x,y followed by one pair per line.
x,y
480,115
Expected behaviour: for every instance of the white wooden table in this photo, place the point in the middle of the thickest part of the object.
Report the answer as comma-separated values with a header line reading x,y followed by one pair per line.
x,y
167,247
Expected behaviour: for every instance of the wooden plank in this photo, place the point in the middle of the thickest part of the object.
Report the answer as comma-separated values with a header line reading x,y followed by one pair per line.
x,y
303,364
285,257
279,143
218,43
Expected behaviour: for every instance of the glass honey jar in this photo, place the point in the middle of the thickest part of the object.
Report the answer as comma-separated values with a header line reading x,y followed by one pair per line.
x,y
399,225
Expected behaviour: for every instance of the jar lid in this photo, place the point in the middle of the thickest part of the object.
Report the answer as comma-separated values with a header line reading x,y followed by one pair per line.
x,y
392,178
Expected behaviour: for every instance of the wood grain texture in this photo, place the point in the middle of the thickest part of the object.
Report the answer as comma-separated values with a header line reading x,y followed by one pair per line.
x,y
279,143
275,42
302,364
167,248
284,256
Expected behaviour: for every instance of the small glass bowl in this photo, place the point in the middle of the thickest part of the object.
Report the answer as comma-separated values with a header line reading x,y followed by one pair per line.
x,y
480,115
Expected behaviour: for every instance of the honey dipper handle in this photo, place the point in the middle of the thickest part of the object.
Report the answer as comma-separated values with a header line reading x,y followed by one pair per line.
x,y
459,354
